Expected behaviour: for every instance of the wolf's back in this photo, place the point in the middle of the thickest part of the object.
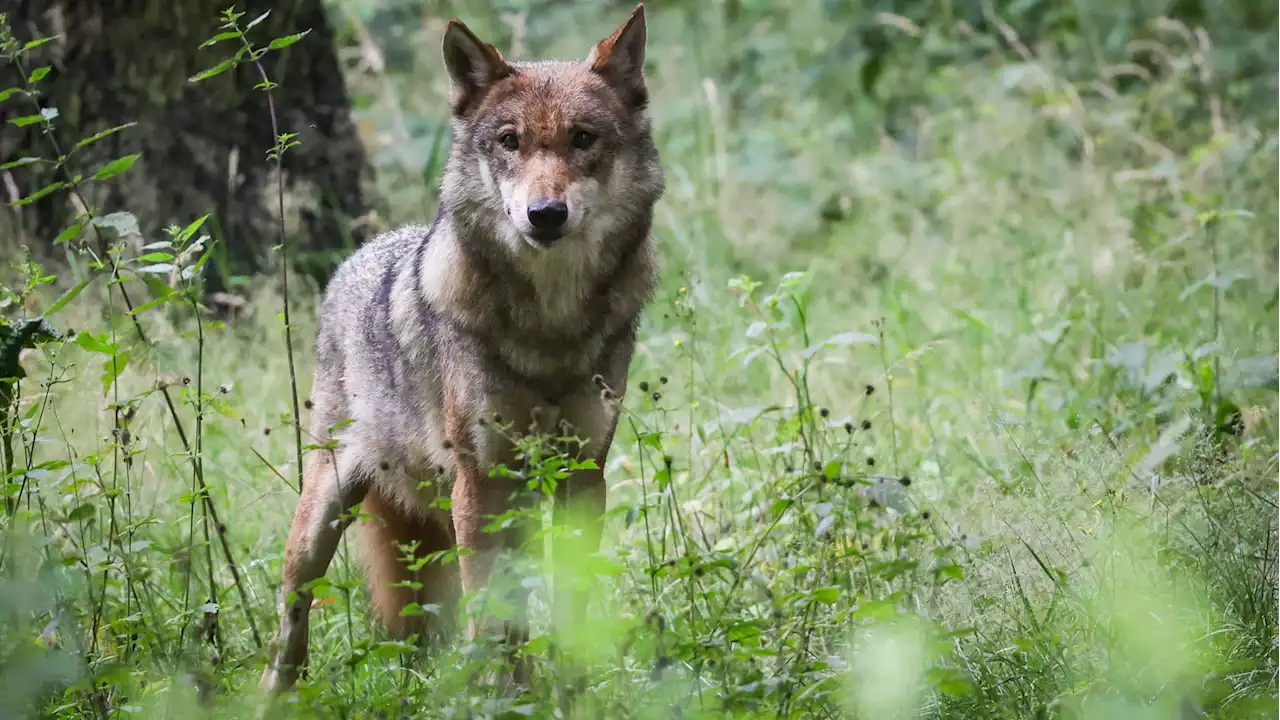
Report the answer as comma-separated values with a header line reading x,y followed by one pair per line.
x,y
355,341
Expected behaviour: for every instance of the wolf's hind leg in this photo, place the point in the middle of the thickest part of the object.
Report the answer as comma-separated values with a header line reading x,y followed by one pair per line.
x,y
313,539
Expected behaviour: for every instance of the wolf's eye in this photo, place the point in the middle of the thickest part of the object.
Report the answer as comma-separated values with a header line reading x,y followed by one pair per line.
x,y
581,139
509,140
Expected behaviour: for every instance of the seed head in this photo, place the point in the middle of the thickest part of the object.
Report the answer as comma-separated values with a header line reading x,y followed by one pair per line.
x,y
866,424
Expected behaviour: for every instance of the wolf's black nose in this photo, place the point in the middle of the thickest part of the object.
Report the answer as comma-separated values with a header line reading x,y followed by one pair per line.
x,y
547,215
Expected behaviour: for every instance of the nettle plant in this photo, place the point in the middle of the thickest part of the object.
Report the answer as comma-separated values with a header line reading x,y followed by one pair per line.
x,y
761,543
108,601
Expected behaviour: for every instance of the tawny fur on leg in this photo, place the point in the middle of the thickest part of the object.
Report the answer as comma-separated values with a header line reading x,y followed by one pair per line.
x,y
382,536
313,539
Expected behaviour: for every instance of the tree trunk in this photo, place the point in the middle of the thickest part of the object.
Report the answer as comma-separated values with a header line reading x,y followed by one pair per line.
x,y
204,145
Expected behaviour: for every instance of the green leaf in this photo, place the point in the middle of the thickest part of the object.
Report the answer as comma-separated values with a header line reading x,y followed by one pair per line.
x,y
153,257
98,136
25,120
71,233
876,610
80,513
229,35
190,230
152,303
95,343
218,69
116,167
779,506
414,609
283,42
68,296
112,368
46,190
38,42
597,565
9,92
223,409
955,687
117,225
20,162
256,20
37,75
826,595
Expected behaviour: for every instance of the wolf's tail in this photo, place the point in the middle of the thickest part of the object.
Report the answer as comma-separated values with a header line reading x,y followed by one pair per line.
x,y
406,601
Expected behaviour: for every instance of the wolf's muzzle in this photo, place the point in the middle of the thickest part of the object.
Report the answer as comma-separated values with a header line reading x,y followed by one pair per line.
x,y
547,216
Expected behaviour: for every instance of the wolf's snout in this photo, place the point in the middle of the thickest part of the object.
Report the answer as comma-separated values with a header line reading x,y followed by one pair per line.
x,y
547,216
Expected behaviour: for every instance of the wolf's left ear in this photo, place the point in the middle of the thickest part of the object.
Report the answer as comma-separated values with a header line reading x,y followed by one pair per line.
x,y
473,66
619,59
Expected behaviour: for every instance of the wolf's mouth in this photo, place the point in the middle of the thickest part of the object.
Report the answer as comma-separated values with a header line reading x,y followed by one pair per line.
x,y
543,239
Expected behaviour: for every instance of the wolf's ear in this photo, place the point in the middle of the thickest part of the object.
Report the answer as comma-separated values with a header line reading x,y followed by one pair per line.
x,y
473,66
619,59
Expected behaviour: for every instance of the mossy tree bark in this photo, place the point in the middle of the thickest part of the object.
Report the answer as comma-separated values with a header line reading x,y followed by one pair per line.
x,y
204,145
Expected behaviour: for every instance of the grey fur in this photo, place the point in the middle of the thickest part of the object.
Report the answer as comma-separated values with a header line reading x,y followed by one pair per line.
x,y
385,377
428,334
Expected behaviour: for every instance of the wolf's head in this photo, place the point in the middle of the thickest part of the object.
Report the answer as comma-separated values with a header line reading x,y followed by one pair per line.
x,y
551,153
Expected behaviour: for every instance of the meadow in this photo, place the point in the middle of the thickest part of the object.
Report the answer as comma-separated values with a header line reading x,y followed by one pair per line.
x,y
958,398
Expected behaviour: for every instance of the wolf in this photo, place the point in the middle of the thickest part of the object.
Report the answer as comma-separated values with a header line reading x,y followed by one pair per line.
x,y
517,307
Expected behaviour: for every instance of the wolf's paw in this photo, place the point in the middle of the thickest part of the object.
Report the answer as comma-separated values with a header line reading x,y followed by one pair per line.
x,y
279,676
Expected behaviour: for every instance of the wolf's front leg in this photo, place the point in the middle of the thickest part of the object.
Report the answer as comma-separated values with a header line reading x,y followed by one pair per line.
x,y
490,564
490,555
313,539
580,501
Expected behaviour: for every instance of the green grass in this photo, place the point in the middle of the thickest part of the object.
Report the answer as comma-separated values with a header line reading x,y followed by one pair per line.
x,y
1046,312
